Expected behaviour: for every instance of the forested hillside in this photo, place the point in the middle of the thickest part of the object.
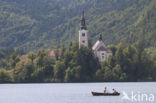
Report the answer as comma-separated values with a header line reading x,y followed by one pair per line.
x,y
38,24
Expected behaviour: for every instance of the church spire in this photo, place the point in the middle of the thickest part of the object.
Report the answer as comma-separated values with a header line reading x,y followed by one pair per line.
x,y
83,22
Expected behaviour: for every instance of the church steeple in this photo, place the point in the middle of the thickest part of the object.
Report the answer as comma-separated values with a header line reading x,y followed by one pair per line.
x,y
83,33
83,22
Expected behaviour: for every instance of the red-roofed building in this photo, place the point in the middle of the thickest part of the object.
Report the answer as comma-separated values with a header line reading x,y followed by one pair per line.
x,y
101,51
55,52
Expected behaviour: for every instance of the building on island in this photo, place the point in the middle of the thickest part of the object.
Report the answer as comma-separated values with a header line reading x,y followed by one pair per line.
x,y
99,48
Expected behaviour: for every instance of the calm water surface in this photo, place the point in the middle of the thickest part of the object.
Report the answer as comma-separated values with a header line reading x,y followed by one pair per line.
x,y
71,93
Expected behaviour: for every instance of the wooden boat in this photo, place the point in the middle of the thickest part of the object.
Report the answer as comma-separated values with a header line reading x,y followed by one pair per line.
x,y
105,94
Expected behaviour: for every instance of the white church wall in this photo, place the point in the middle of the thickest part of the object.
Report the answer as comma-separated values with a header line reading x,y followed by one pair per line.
x,y
102,55
83,38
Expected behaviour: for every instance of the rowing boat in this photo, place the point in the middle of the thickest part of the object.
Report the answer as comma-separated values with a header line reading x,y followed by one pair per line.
x,y
105,94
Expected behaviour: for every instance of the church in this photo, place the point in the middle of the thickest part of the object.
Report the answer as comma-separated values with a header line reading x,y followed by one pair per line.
x,y
99,48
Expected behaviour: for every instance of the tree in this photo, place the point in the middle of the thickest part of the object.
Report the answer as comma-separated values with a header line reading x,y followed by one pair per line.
x,y
73,75
130,62
23,71
88,62
43,67
143,63
57,53
31,56
59,71
153,72
39,61
5,76
113,48
63,50
119,55
107,74
14,59
100,75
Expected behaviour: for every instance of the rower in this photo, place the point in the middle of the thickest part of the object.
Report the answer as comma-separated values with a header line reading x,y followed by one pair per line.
x,y
105,91
114,91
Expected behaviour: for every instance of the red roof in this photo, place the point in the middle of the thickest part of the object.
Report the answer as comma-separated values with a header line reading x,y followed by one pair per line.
x,y
102,48
52,52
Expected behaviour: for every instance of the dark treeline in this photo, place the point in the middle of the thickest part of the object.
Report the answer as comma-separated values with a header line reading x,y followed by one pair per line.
x,y
128,63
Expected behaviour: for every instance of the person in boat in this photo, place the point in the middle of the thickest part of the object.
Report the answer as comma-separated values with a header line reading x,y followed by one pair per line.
x,y
114,91
105,90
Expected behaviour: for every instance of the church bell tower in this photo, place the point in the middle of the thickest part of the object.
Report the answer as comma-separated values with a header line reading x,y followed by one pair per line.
x,y
83,33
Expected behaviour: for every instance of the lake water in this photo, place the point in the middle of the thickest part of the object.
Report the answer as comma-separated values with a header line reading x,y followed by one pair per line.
x,y
75,93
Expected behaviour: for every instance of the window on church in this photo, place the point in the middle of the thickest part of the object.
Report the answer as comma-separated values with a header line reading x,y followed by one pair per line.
x,y
83,34
103,57
103,53
83,41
